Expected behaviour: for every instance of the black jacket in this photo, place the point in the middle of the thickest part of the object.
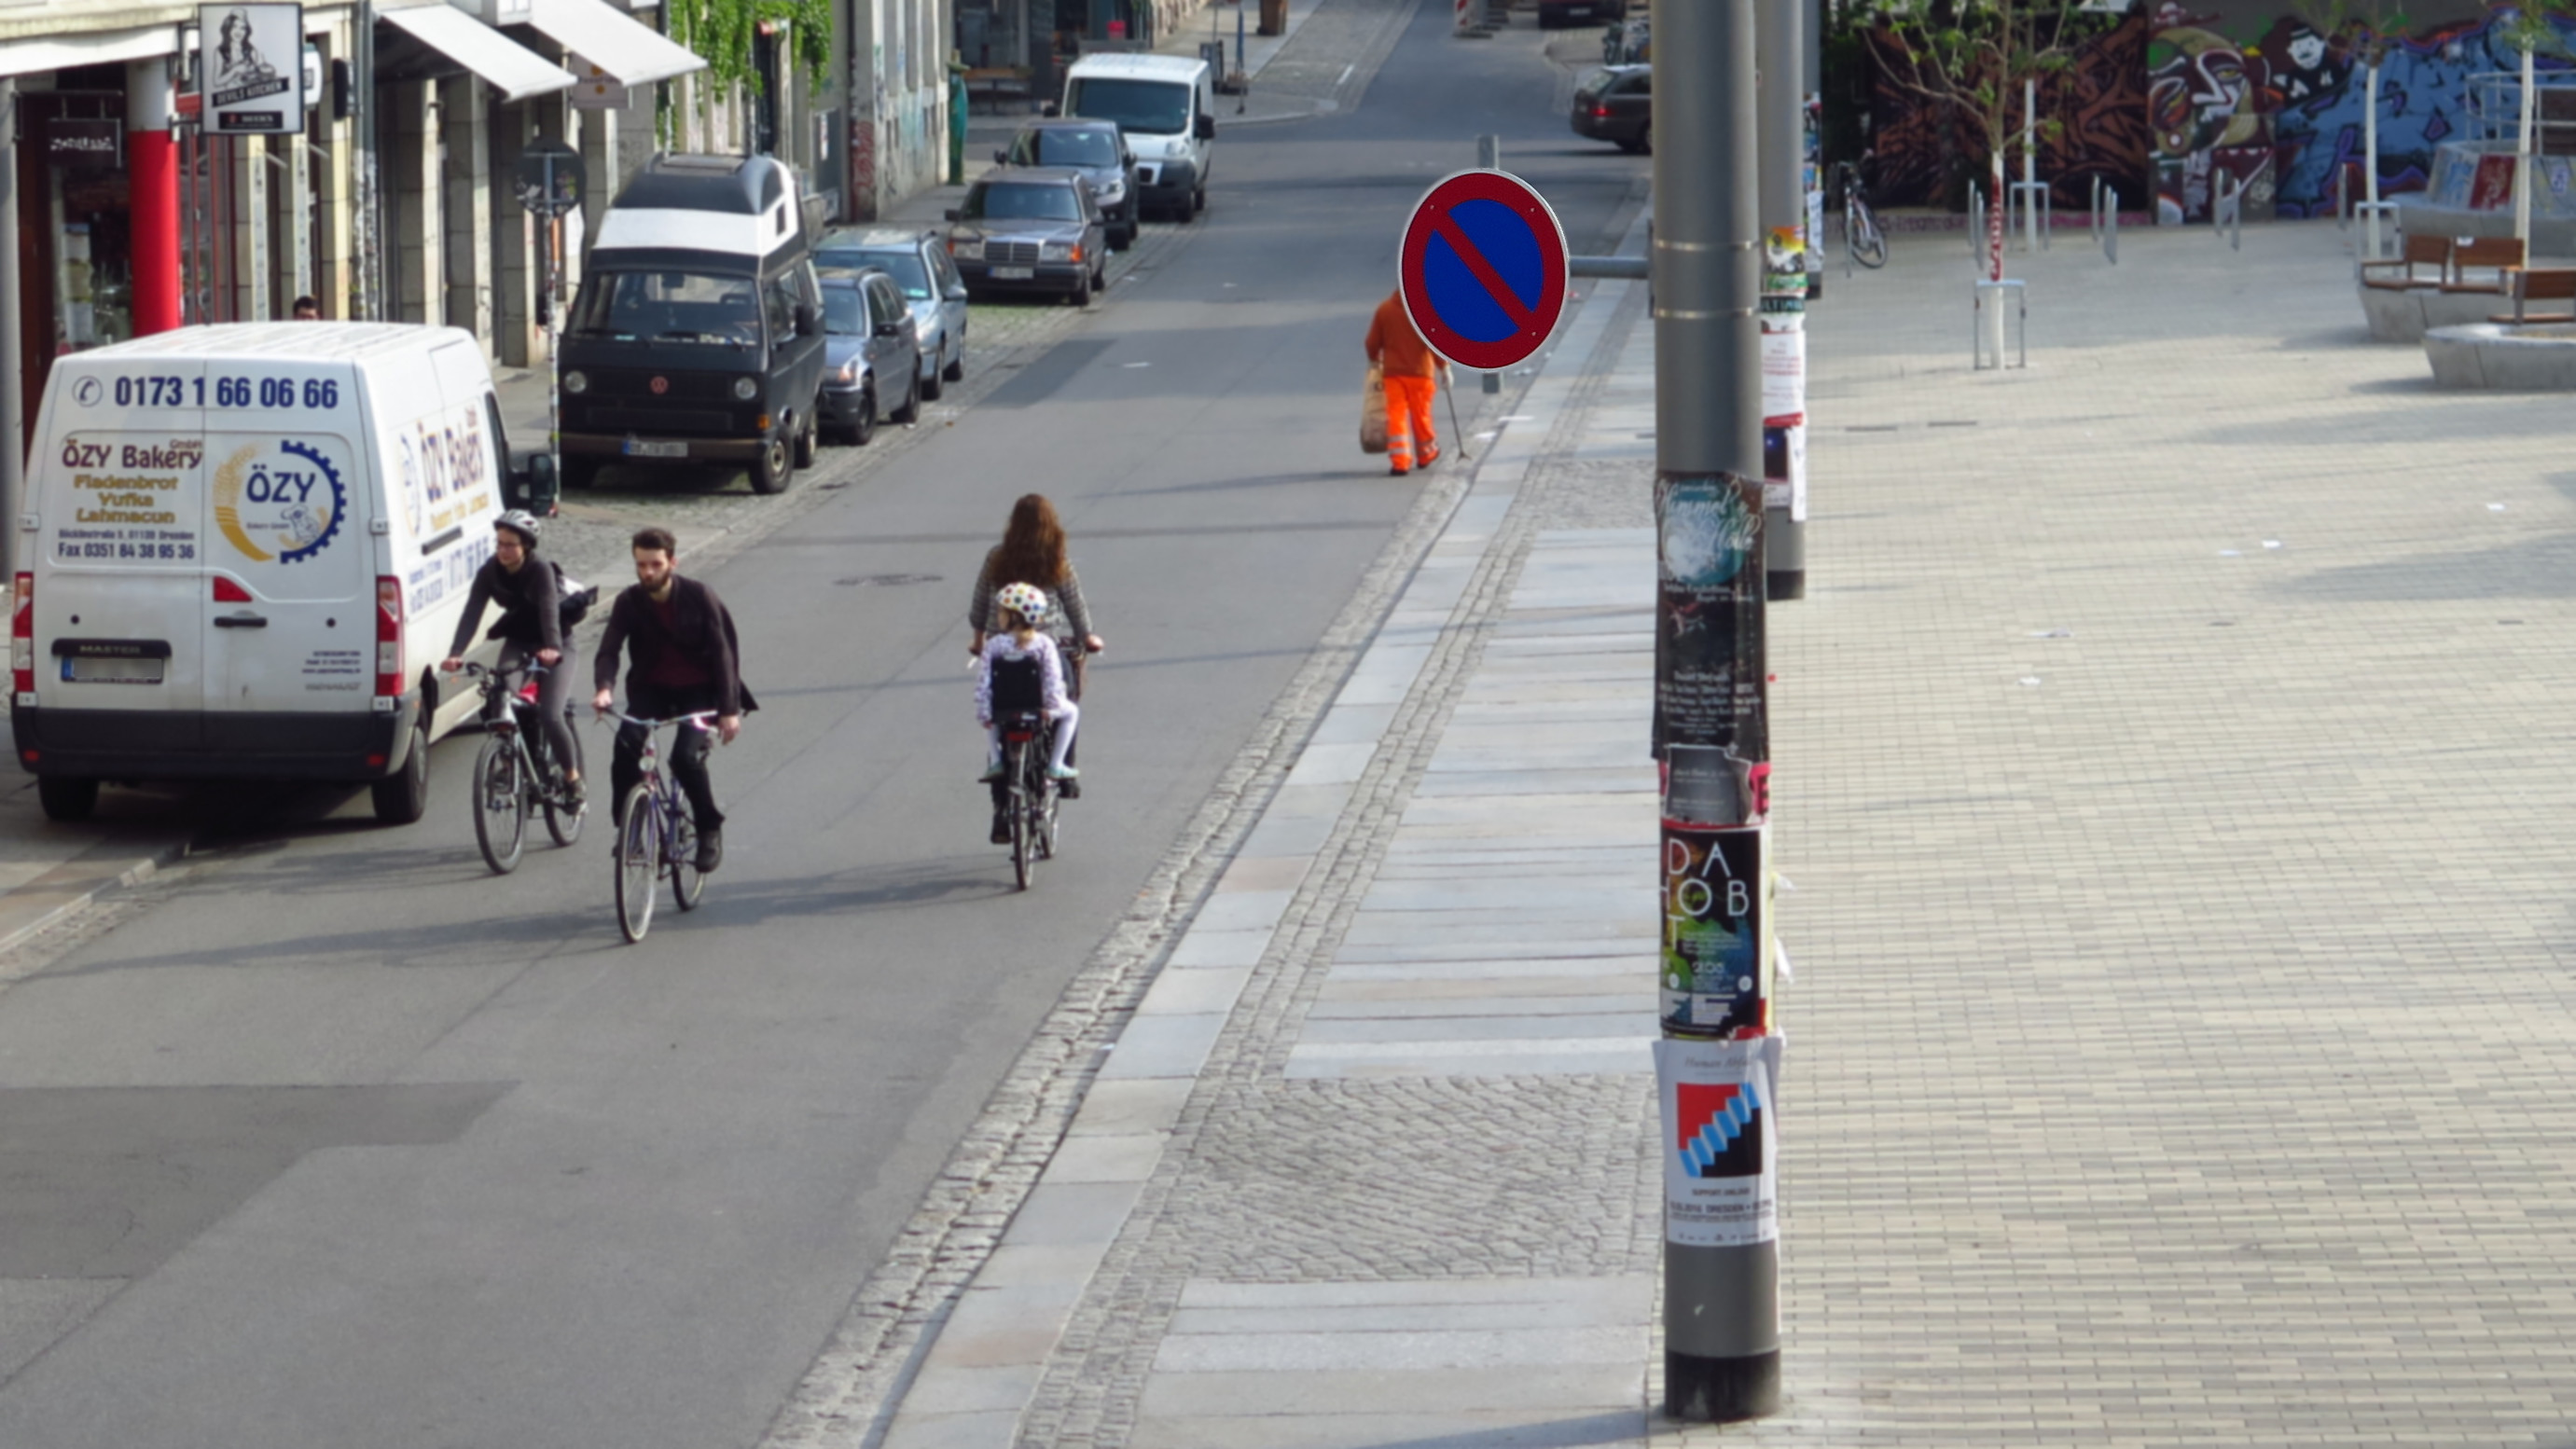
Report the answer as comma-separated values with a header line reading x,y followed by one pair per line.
x,y
531,603
704,633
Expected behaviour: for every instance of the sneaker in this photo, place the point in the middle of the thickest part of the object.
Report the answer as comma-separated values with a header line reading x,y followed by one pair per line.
x,y
1063,772
1397,472
710,849
1072,790
1428,459
576,796
1001,828
991,773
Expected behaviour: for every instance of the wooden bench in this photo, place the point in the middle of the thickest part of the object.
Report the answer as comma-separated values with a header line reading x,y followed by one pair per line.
x,y
2497,255
2418,251
2526,285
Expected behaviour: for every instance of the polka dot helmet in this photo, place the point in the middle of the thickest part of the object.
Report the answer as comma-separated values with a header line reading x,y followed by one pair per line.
x,y
1026,600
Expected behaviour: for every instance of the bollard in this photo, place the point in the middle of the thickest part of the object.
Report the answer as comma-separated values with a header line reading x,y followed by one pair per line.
x,y
2111,229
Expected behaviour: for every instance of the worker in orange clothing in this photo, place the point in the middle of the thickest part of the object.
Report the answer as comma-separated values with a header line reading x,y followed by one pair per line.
x,y
1408,363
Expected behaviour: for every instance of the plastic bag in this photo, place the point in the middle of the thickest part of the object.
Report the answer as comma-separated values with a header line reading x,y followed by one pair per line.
x,y
1373,411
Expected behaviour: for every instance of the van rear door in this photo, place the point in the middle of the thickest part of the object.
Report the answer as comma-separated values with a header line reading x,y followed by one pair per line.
x,y
120,568
290,627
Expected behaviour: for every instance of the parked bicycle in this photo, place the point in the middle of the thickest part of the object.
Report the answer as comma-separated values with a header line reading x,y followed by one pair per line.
x,y
516,773
1861,234
656,835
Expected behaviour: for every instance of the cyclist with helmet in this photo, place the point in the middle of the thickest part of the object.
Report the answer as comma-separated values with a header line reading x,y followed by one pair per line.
x,y
1024,610
531,626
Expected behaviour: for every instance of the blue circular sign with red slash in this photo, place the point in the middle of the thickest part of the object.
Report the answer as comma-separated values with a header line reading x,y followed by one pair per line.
x,y
1483,269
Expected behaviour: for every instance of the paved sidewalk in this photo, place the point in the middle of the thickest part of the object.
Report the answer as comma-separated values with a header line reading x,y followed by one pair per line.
x,y
2168,773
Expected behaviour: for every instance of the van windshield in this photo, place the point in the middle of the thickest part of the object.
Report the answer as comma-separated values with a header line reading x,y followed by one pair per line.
x,y
1156,108
668,307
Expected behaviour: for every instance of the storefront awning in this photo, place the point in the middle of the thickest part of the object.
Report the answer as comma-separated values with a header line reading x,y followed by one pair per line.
x,y
635,53
514,70
62,52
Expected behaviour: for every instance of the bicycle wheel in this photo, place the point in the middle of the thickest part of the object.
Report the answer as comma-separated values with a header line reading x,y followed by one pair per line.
x,y
1868,243
639,863
563,823
500,804
1046,817
687,881
1023,843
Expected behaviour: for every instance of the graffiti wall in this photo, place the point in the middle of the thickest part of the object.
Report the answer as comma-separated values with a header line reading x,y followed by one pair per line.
x,y
2178,98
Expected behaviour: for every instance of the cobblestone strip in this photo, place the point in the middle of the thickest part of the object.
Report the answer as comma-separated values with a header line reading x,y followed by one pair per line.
x,y
1090,1393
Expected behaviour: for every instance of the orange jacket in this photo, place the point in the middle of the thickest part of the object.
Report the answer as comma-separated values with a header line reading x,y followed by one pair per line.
x,y
1394,345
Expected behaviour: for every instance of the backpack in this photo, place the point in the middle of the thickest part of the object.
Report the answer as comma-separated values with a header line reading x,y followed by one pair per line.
x,y
574,600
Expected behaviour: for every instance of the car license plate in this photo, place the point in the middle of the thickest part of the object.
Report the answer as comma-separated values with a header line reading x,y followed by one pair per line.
x,y
78,670
1014,274
639,449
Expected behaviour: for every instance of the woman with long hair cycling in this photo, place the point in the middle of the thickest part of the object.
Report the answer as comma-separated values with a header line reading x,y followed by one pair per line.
x,y
1032,551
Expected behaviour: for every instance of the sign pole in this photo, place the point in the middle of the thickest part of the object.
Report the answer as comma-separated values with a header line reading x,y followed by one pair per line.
x,y
1782,130
1721,1274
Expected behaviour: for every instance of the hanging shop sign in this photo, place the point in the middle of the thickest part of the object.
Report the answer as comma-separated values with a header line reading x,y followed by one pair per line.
x,y
250,68
86,141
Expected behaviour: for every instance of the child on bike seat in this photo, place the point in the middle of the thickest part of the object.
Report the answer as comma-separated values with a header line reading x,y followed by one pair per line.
x,y
1024,610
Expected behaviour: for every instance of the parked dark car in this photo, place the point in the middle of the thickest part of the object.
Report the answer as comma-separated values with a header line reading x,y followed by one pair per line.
x,y
1031,229
870,355
1552,13
917,259
1618,104
1099,151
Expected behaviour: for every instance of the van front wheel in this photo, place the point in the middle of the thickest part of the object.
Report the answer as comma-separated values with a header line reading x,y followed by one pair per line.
x,y
403,796
771,470
66,797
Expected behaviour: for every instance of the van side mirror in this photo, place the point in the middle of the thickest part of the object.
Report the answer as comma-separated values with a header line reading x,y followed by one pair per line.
x,y
808,321
1002,157
1204,128
1047,108
953,214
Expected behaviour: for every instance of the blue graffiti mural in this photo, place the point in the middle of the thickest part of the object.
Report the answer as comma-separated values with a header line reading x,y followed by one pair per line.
x,y
2423,101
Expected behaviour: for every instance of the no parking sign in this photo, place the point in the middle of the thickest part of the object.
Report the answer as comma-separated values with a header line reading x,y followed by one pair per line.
x,y
1483,269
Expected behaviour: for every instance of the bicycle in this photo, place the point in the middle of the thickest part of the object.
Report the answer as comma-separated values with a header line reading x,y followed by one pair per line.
x,y
656,835
516,772
1861,234
1031,795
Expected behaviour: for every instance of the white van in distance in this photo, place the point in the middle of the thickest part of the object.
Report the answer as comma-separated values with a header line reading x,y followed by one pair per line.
x,y
1165,104
243,552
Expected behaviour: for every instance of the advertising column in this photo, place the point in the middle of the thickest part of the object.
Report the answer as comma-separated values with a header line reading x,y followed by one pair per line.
x,y
152,191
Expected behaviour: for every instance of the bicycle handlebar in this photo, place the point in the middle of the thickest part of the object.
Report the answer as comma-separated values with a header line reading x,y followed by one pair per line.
x,y
701,717
472,670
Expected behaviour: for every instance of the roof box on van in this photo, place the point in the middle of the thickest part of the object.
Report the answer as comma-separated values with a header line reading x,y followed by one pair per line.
x,y
744,206
742,185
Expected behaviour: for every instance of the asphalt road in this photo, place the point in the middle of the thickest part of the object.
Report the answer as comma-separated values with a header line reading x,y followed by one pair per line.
x,y
347,1142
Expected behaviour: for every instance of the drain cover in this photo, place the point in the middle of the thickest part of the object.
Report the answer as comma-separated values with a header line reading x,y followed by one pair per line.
x,y
886,581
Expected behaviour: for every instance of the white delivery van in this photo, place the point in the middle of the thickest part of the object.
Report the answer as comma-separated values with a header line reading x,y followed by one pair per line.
x,y
1165,104
243,552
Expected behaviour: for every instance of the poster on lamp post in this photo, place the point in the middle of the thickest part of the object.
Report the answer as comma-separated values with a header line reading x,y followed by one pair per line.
x,y
250,68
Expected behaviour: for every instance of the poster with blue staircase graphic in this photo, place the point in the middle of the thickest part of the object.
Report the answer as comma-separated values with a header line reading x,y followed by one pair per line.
x,y
1718,1142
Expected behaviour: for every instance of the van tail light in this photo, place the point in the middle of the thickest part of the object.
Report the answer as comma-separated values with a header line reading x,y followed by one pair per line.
x,y
389,622
22,636
228,592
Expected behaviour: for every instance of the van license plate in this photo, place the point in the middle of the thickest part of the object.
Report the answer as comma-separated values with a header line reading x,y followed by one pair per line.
x,y
77,670
635,449
1014,274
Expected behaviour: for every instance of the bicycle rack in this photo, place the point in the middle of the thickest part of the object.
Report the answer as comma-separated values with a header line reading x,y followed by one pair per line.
x,y
2104,221
2024,198
1992,294
2227,213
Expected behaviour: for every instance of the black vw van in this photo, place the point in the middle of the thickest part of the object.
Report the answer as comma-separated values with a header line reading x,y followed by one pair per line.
x,y
697,337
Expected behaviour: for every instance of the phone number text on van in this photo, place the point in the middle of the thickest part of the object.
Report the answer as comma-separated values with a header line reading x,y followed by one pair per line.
x,y
317,393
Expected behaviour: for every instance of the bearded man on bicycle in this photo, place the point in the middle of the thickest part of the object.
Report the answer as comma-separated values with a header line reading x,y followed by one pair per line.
x,y
687,659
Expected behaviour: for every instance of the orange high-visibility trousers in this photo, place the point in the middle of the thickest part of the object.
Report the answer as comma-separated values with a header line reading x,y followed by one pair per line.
x,y
1409,439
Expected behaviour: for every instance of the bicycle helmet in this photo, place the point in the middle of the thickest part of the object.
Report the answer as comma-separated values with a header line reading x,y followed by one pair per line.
x,y
1026,600
526,525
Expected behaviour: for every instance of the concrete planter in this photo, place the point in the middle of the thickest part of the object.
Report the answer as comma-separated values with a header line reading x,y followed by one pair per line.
x,y
2396,316
2504,359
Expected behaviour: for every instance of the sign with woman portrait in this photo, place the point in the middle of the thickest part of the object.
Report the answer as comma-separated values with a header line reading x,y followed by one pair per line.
x,y
250,68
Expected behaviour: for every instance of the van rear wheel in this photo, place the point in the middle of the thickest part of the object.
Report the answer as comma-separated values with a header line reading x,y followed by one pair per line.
x,y
66,797
403,797
805,437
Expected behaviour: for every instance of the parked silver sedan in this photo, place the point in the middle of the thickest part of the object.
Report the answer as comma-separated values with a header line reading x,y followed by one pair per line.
x,y
917,259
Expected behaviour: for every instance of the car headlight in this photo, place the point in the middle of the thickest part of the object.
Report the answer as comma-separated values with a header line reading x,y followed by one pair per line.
x,y
746,388
1178,148
1112,190
1059,252
849,372
967,249
576,381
